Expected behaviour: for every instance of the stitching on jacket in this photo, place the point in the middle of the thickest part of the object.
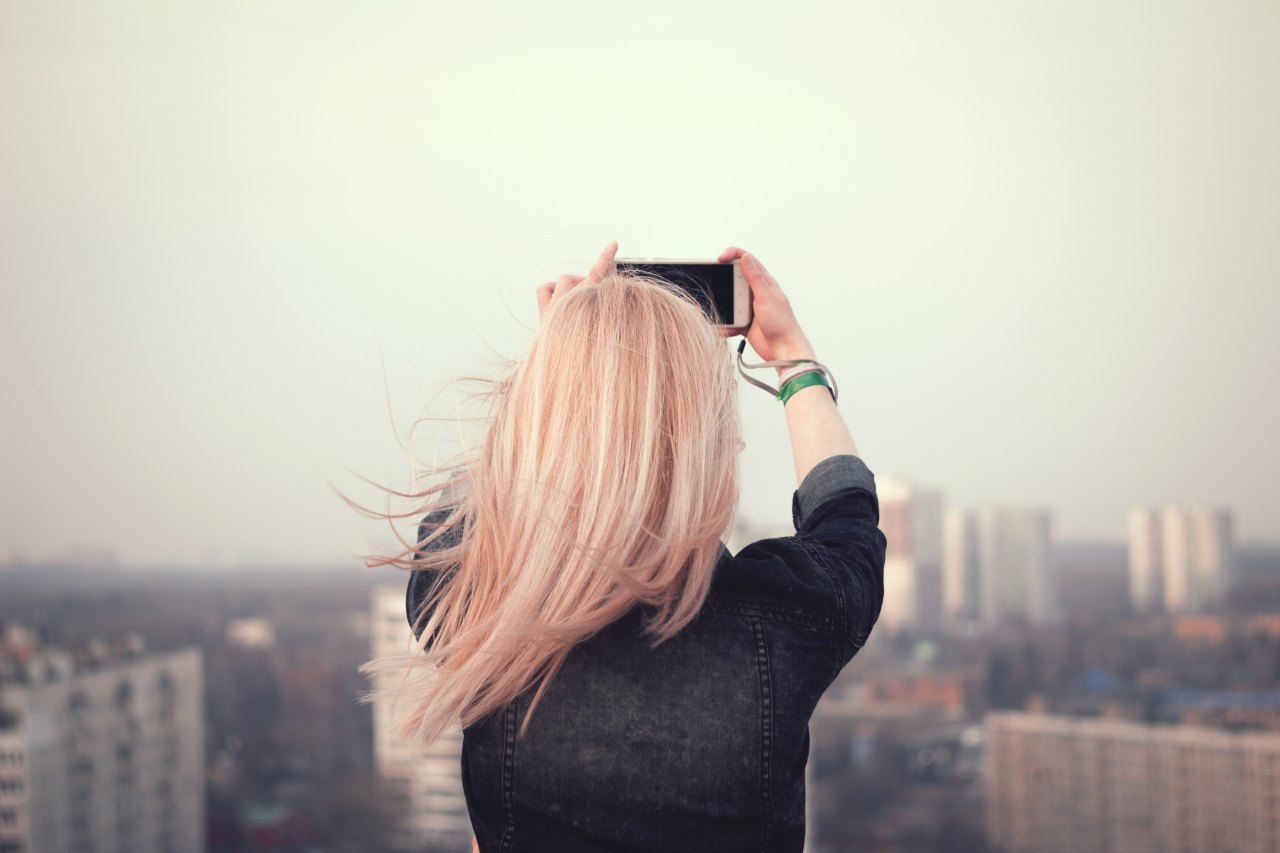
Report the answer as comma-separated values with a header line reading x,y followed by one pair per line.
x,y
766,725
508,774
778,614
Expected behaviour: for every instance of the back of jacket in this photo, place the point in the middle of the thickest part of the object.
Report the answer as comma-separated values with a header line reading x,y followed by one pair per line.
x,y
699,744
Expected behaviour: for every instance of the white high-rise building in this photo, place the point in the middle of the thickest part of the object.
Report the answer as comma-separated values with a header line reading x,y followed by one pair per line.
x,y
911,520
424,784
1146,561
100,752
1180,558
997,565
1015,565
1214,539
1180,589
961,574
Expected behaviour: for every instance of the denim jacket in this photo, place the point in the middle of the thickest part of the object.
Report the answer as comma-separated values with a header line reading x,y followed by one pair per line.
x,y
701,743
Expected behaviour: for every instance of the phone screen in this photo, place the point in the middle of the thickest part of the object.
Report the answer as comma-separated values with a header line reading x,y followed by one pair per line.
x,y
710,284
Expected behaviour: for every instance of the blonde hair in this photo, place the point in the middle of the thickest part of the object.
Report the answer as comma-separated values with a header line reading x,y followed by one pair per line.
x,y
606,477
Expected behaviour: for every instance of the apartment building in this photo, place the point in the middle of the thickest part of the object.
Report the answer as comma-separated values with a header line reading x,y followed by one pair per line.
x,y
423,784
1066,784
100,750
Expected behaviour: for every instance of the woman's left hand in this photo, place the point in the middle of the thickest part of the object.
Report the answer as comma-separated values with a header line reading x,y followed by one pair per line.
x,y
551,291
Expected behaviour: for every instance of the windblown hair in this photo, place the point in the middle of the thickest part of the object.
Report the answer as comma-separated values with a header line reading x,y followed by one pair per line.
x,y
605,479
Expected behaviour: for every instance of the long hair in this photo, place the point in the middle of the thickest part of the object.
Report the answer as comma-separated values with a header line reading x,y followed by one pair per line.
x,y
606,476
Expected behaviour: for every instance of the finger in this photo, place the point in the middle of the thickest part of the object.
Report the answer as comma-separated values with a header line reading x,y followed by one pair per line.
x,y
604,265
755,271
731,254
544,296
563,285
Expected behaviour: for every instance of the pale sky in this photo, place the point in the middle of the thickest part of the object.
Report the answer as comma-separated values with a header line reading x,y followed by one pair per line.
x,y
1037,243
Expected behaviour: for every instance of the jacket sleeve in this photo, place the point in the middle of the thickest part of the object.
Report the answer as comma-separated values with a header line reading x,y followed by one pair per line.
x,y
836,515
831,571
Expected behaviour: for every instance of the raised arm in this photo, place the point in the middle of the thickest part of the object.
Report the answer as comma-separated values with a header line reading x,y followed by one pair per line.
x,y
817,429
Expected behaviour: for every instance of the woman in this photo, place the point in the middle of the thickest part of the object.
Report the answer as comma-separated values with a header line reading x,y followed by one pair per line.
x,y
623,681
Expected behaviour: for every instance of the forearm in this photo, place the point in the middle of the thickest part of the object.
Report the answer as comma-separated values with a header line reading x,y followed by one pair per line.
x,y
817,428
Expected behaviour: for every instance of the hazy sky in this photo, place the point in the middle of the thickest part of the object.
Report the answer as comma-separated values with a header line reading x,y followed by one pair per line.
x,y
1037,243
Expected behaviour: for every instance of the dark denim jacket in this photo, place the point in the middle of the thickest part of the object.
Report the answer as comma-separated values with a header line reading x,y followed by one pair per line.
x,y
701,743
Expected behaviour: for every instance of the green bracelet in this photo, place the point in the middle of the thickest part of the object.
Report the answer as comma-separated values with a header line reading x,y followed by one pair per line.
x,y
804,380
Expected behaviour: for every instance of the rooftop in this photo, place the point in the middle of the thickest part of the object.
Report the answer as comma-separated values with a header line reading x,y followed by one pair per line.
x,y
25,660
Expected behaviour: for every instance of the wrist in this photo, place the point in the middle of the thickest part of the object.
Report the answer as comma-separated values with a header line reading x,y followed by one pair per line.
x,y
802,382
796,353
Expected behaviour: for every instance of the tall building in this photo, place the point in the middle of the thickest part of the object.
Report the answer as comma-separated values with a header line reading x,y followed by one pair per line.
x,y
997,566
424,784
1057,783
1181,593
1146,561
1015,565
1180,558
1214,539
961,574
911,520
103,751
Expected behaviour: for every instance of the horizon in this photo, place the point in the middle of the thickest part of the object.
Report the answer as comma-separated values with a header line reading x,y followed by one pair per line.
x,y
1059,548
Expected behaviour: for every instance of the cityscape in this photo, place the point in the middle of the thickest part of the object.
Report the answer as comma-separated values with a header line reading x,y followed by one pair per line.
x,y
261,262
1018,693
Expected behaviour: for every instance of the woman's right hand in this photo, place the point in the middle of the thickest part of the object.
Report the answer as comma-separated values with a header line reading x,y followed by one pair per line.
x,y
774,332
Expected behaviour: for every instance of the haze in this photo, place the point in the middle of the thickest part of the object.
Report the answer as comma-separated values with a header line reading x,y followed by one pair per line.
x,y
1036,243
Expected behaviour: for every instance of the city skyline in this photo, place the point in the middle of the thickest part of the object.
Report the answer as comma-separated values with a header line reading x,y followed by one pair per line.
x,y
244,250
247,559
230,557
899,741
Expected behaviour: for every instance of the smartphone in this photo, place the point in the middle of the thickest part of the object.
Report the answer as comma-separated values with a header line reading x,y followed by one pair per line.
x,y
721,289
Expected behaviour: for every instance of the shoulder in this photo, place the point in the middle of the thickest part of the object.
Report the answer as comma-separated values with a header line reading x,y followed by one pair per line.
x,y
778,579
830,572
422,580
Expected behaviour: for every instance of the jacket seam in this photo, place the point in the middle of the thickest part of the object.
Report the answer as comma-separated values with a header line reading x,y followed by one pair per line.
x,y
779,614
765,675
508,775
